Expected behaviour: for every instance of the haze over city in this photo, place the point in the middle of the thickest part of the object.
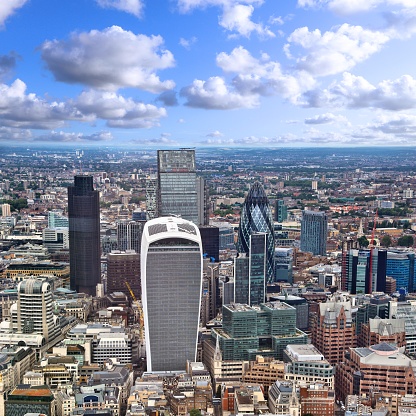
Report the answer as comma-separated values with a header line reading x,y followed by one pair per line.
x,y
208,72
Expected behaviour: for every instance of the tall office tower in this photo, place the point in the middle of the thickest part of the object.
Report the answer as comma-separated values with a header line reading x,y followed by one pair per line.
x,y
257,217
56,219
356,271
211,299
84,235
129,235
283,264
151,197
333,330
34,311
5,210
241,279
171,273
210,237
257,268
177,184
280,211
314,232
122,267
202,192
401,267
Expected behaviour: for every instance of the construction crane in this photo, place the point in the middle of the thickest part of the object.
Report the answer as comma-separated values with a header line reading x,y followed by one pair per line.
x,y
139,307
371,245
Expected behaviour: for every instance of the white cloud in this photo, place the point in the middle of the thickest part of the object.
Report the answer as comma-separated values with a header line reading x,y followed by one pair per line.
x,y
334,51
21,110
8,7
164,139
398,125
187,43
236,15
64,137
215,133
15,134
133,7
109,59
356,92
345,7
118,110
215,94
7,64
326,118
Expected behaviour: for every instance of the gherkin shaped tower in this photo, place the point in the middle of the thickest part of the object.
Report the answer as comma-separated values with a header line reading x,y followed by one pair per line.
x,y
256,216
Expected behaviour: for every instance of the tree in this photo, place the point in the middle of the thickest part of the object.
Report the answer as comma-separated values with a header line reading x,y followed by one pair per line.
x,y
386,241
195,412
363,242
405,241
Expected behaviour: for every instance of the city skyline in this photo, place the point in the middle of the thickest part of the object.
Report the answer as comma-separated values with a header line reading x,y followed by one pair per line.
x,y
208,73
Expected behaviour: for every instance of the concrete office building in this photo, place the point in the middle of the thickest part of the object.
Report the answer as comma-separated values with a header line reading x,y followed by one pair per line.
x,y
55,239
381,366
314,232
84,235
5,210
333,330
177,193
305,364
171,273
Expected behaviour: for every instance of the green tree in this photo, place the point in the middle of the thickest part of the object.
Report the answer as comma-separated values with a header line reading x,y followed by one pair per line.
x,y
386,241
363,242
405,241
195,412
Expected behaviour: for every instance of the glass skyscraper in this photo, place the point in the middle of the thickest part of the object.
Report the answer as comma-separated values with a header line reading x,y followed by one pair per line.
x,y
84,235
256,216
171,273
314,232
177,192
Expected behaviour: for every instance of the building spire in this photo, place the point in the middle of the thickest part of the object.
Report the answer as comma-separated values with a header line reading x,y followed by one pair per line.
x,y
217,354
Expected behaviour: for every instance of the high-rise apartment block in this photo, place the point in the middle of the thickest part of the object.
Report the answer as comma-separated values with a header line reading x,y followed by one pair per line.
x,y
177,193
84,235
256,216
171,273
5,210
313,233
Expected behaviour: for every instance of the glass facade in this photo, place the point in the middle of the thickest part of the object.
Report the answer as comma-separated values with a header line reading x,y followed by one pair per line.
x,y
401,266
256,216
313,232
257,271
84,235
177,184
171,292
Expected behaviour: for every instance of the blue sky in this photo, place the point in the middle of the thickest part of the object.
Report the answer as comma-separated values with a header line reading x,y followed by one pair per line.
x,y
161,73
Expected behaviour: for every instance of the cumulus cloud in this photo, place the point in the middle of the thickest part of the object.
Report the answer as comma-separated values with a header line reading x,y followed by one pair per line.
x,y
64,137
15,134
215,94
168,98
7,64
398,125
332,52
215,133
326,118
21,110
163,139
236,15
345,7
109,60
187,43
356,92
7,8
133,7
118,110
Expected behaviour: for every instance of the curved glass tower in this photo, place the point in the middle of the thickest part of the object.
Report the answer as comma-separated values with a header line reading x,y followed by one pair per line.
x,y
256,216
